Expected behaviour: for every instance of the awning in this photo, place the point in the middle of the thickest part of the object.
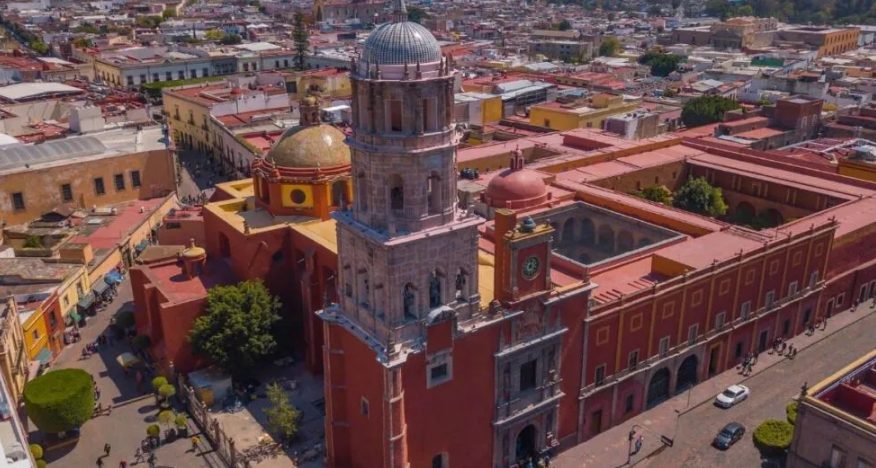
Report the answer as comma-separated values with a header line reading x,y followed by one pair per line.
x,y
127,359
100,287
73,317
86,301
44,356
113,277
142,245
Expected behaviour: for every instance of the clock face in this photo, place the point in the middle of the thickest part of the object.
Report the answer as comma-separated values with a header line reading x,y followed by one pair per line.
x,y
530,267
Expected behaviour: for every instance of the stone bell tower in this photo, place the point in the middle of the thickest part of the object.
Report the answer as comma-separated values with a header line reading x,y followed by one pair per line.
x,y
406,250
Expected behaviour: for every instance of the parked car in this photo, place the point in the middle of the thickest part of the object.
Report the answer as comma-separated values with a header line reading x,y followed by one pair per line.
x,y
729,435
734,394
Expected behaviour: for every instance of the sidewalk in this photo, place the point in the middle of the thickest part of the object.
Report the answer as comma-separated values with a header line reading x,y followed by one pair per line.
x,y
609,449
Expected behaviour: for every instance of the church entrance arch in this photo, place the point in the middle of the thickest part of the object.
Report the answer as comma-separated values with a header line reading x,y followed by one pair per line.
x,y
687,374
525,447
658,388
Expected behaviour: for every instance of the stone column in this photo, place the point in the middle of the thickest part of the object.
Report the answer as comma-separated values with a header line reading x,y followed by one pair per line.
x,y
397,430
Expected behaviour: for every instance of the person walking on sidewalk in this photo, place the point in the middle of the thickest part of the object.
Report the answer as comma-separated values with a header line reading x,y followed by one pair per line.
x,y
100,462
123,464
106,449
138,455
195,441
824,324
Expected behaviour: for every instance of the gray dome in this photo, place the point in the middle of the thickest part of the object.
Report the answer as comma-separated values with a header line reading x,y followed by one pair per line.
x,y
400,43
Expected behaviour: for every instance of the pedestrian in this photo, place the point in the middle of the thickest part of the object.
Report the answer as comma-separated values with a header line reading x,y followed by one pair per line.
x,y
824,324
123,464
100,462
795,354
195,441
138,455
151,460
106,449
782,350
109,411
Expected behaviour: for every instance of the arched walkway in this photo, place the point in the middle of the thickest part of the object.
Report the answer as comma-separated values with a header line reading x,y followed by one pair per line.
x,y
525,446
606,238
625,241
588,233
744,213
558,234
658,388
644,242
224,245
771,217
569,231
687,374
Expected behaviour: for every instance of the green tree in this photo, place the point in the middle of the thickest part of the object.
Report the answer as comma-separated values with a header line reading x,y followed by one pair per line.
x,y
86,29
655,10
39,47
166,391
166,417
150,22
656,193
773,437
675,4
231,39
565,25
301,38
745,10
282,416
705,110
661,64
141,342
168,13
698,196
791,412
610,47
215,35
33,242
81,42
60,400
158,382
153,430
236,331
417,14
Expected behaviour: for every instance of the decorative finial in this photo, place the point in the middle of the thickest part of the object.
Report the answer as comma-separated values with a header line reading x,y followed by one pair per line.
x,y
401,11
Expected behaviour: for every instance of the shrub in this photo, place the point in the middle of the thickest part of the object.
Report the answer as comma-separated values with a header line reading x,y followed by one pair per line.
x,y
141,342
41,464
158,382
125,319
773,437
60,400
153,430
36,451
181,420
166,391
791,412
166,417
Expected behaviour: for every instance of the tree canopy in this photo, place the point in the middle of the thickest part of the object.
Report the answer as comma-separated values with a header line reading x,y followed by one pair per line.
x,y
610,47
231,39
705,110
60,400
301,38
282,416
215,35
417,14
39,47
86,28
661,64
168,13
565,25
236,331
656,193
817,12
150,22
698,196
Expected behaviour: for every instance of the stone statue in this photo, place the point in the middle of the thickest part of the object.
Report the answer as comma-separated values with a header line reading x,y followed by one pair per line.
x,y
409,300
434,291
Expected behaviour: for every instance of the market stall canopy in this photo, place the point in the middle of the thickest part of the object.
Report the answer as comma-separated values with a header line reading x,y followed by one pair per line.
x,y
127,359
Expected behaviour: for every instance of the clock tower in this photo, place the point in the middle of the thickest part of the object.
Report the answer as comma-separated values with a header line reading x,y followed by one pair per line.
x,y
523,253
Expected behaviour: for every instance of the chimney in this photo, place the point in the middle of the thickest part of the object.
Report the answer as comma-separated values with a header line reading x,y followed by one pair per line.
x,y
505,222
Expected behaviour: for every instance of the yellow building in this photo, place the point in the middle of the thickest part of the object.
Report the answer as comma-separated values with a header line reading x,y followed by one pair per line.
x,y
478,108
84,172
13,364
331,82
857,168
560,116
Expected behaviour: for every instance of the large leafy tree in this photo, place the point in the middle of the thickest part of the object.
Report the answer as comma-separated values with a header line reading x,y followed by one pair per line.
x,y
698,196
565,25
661,64
60,401
656,193
282,416
705,110
236,331
610,47
417,14
301,38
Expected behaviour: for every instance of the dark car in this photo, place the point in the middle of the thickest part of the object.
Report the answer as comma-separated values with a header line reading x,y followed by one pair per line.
x,y
729,435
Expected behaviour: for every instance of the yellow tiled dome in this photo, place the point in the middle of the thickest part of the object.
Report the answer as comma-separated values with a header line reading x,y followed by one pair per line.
x,y
310,147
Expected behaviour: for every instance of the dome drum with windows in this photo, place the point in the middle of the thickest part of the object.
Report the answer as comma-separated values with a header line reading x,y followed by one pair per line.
x,y
307,172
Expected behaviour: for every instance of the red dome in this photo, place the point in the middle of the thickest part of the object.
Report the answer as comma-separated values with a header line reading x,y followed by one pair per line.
x,y
516,189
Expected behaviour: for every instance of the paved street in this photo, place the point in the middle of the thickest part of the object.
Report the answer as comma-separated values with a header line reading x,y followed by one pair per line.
x,y
196,174
132,411
773,384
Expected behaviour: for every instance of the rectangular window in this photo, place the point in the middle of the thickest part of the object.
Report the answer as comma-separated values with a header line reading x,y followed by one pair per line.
x,y
719,321
18,201
664,346
527,375
430,117
66,192
813,279
143,79
194,73
181,75
130,80
738,352
246,67
792,289
168,76
746,309
840,299
155,77
628,405
770,298
862,295
35,334
205,72
438,372
276,64
633,360
692,334
364,408
99,189
837,458
53,321
285,63
600,375
135,179
395,115
120,181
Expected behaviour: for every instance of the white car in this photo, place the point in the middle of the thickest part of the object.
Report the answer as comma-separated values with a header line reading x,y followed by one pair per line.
x,y
734,394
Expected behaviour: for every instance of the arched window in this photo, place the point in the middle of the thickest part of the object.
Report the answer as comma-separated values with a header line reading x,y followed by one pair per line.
x,y
396,192
339,192
461,284
409,301
364,291
433,193
439,461
362,191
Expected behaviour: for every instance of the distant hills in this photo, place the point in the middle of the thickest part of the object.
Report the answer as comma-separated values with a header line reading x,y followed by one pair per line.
x,y
800,11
